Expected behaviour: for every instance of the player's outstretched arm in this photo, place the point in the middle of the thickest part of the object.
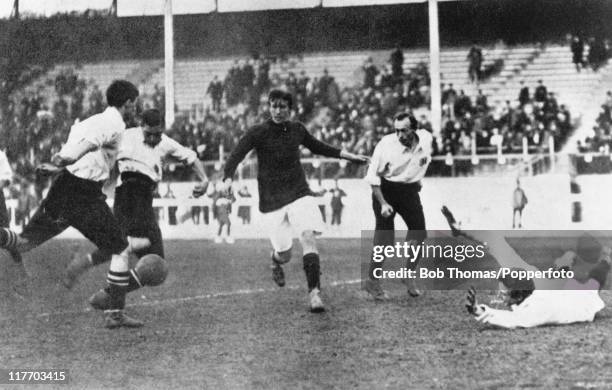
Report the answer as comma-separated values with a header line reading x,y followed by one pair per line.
x,y
246,143
201,188
356,158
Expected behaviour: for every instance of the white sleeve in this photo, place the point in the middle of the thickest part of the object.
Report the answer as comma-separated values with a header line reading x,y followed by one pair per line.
x,y
6,173
376,167
178,151
525,315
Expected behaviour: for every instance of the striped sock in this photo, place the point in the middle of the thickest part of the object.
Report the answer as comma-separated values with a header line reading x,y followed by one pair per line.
x,y
118,279
8,239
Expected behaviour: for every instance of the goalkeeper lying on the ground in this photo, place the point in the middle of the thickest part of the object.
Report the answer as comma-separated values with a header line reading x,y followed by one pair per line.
x,y
577,301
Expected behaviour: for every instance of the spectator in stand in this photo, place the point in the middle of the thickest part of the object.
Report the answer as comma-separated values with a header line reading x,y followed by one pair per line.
x,y
577,48
598,53
540,94
397,64
370,72
463,104
262,83
524,96
449,97
481,102
475,60
247,81
324,83
215,90
96,101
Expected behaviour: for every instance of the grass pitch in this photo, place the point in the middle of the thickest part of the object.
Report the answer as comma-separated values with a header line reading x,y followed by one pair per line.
x,y
220,322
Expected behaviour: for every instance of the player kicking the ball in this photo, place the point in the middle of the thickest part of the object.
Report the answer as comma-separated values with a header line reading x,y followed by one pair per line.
x,y
76,198
285,199
139,160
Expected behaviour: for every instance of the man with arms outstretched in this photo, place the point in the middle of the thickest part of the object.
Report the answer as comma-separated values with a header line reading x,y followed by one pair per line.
x,y
285,199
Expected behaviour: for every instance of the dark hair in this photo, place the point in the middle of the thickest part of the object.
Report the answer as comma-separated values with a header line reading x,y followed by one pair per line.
x,y
119,92
414,124
519,289
588,249
152,117
277,94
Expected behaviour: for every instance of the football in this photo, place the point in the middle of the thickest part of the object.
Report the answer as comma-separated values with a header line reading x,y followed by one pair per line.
x,y
152,270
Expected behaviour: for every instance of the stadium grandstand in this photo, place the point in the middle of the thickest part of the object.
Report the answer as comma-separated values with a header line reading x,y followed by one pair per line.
x,y
512,91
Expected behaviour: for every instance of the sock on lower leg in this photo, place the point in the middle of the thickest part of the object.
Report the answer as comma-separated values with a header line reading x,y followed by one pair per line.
x,y
118,281
8,239
312,270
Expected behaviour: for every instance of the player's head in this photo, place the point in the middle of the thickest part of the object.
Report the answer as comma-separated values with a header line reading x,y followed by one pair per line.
x,y
515,289
588,254
280,103
152,127
122,95
405,125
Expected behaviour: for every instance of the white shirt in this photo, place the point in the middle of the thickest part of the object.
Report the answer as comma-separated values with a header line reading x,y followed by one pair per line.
x,y
397,163
136,156
6,173
103,130
547,307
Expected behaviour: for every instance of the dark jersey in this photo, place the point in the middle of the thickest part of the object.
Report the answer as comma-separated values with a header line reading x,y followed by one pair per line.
x,y
280,176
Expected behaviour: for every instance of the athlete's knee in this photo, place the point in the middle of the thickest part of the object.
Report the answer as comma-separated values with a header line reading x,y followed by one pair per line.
x,y
283,256
308,239
138,243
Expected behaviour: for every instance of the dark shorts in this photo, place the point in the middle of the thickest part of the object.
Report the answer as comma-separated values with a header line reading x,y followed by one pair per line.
x,y
79,203
405,200
133,209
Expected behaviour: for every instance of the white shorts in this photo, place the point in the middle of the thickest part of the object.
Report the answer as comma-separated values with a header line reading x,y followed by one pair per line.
x,y
301,215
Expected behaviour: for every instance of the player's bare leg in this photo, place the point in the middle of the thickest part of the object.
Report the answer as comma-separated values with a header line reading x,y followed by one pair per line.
x,y
81,263
278,259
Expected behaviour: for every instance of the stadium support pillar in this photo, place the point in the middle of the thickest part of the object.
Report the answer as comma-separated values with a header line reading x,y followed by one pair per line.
x,y
169,62
15,12
434,67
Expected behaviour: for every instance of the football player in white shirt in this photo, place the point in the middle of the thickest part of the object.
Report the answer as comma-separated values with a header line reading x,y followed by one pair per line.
x,y
547,302
140,158
399,162
75,197
18,272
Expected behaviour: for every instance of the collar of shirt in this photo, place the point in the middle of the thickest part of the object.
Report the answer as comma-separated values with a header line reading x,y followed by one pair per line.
x,y
114,115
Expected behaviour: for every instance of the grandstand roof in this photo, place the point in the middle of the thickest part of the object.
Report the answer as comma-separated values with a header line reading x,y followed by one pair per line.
x,y
149,7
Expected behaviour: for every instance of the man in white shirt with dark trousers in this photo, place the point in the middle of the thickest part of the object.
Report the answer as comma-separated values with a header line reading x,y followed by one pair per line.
x,y
140,158
75,197
399,162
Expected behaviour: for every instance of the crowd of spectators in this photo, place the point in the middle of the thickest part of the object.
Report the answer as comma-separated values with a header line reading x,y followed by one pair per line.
x,y
36,121
536,117
598,51
601,138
